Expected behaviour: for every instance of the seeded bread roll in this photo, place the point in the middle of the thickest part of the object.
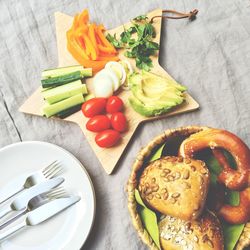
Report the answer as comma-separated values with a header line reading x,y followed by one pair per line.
x,y
175,186
202,234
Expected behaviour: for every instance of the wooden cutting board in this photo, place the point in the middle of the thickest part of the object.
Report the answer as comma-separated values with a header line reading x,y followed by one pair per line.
x,y
108,157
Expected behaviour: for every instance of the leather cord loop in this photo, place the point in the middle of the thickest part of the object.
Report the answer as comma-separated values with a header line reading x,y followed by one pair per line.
x,y
177,15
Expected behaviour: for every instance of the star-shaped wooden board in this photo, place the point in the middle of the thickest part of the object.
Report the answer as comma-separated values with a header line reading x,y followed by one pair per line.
x,y
108,157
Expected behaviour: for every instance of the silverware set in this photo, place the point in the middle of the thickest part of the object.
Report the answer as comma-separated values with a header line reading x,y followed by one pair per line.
x,y
39,199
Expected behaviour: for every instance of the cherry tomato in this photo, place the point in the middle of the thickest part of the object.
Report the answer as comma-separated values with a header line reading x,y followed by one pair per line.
x,y
119,122
107,138
114,104
94,106
98,123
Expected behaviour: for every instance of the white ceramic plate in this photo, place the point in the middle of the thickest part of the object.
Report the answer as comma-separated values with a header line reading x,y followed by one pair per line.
x,y
67,230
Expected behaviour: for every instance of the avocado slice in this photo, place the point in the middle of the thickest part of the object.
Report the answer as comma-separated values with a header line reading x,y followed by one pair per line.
x,y
146,110
167,80
154,95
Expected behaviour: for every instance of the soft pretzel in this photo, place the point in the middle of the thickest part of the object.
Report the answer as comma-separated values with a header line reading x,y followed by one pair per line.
x,y
215,139
234,214
237,214
233,179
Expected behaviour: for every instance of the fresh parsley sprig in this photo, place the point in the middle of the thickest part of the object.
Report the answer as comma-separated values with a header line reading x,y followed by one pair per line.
x,y
114,41
138,42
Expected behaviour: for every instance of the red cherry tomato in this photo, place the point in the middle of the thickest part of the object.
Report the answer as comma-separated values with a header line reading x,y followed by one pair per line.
x,y
119,121
107,138
98,123
114,104
94,106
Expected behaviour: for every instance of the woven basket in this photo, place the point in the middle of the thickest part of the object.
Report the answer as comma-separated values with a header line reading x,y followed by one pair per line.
x,y
138,165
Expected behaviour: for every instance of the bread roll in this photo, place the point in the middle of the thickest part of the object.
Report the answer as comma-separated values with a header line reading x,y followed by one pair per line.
x,y
175,186
202,234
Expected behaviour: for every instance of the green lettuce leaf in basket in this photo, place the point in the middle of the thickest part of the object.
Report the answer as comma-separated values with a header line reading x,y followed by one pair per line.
x,y
157,154
149,219
231,235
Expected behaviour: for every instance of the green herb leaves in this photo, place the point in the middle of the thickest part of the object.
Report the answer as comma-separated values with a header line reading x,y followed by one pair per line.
x,y
140,18
138,42
113,40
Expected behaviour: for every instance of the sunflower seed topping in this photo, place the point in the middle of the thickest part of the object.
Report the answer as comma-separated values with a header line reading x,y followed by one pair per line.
x,y
185,174
193,168
175,195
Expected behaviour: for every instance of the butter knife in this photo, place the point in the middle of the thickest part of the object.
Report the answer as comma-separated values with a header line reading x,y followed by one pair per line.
x,y
41,214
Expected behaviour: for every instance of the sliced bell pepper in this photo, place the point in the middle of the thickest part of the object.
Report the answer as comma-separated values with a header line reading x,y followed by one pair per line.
x,y
83,29
79,54
75,24
102,28
109,58
102,38
90,47
98,40
80,42
71,43
79,35
84,17
91,34
95,65
106,50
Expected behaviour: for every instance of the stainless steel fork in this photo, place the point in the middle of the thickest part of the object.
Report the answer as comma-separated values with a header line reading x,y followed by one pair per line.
x,y
50,171
37,201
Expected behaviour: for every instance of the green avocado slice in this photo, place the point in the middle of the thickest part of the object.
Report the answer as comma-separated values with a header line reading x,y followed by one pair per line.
x,y
147,110
166,79
154,95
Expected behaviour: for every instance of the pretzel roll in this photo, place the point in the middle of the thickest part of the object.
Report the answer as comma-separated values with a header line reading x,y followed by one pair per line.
x,y
237,214
215,139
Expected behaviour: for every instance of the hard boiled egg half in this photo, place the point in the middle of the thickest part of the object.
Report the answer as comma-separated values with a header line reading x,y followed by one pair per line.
x,y
109,80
